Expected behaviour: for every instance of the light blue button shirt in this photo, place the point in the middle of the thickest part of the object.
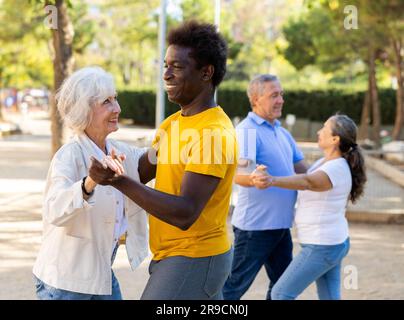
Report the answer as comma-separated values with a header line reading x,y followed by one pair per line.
x,y
273,146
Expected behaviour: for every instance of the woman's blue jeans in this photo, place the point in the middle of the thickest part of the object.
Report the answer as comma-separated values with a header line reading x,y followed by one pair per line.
x,y
46,292
319,263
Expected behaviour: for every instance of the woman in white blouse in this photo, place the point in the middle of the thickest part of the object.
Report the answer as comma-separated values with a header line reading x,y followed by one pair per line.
x,y
322,228
82,221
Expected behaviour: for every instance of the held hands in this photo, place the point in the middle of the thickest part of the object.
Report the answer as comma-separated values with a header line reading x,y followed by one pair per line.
x,y
260,177
108,170
114,162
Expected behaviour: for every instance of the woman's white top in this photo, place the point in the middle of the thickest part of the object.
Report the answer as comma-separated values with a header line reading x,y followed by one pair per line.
x,y
121,223
320,216
78,234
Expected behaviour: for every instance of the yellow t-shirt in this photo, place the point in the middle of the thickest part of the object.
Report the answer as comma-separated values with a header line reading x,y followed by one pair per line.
x,y
204,143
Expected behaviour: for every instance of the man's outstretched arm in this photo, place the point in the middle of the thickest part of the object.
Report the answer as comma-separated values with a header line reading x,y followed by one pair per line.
x,y
180,211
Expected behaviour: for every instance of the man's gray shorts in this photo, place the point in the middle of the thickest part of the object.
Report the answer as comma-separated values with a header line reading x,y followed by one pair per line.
x,y
184,278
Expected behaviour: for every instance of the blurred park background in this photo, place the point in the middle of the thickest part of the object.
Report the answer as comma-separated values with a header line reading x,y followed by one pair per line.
x,y
331,56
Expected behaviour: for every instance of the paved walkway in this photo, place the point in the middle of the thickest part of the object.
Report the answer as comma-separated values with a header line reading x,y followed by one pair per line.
x,y
376,256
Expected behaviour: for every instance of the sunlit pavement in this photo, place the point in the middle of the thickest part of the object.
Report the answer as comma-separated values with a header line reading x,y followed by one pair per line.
x,y
373,268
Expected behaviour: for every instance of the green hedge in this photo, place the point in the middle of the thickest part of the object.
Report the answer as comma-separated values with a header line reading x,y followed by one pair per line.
x,y
314,105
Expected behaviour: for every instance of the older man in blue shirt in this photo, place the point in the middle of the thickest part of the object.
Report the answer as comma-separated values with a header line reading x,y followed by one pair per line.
x,y
263,216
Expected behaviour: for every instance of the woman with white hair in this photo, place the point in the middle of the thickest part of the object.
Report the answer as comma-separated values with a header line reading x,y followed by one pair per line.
x,y
83,221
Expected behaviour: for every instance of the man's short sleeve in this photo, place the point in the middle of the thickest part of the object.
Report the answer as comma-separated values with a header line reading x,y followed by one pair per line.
x,y
297,153
335,172
247,145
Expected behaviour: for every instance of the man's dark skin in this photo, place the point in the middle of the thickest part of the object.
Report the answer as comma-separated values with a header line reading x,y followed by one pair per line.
x,y
193,90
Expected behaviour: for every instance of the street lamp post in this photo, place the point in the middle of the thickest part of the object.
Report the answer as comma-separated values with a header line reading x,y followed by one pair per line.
x,y
160,98
217,23
217,14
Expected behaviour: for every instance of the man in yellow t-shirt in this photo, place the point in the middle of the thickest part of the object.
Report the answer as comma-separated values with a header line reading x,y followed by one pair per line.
x,y
193,159
206,146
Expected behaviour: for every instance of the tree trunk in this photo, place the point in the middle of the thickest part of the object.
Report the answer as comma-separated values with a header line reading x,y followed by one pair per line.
x,y
62,67
140,64
398,122
365,118
374,96
1,101
1,110
123,69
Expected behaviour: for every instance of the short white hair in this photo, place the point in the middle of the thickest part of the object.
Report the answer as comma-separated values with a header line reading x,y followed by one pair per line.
x,y
80,92
256,86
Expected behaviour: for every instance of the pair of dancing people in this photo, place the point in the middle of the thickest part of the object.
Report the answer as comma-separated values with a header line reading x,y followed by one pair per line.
x,y
96,189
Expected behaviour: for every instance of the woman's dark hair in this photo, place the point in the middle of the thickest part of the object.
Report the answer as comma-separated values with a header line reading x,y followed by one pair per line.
x,y
346,129
207,44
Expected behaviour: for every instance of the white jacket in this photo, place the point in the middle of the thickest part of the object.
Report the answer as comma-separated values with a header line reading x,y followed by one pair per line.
x,y
77,234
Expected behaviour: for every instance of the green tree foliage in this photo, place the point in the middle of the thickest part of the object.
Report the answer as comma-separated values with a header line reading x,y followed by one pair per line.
x,y
126,40
301,51
202,10
391,22
121,35
24,56
334,45
25,45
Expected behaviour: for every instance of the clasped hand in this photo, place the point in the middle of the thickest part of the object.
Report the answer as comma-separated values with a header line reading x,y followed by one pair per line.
x,y
260,178
108,170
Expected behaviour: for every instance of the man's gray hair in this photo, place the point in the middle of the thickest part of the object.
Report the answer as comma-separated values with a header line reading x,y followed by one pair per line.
x,y
80,92
256,85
